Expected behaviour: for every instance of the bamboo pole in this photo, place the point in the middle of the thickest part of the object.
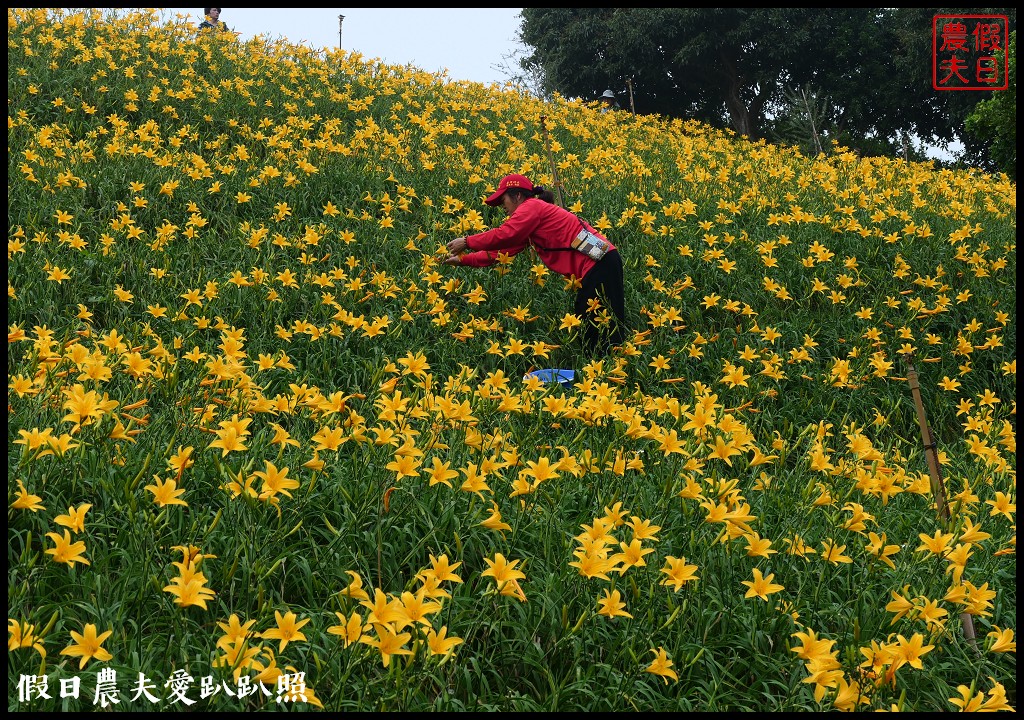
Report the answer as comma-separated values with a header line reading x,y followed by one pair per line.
x,y
551,162
632,107
937,484
930,451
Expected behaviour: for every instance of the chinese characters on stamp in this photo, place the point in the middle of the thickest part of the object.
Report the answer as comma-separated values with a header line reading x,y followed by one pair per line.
x,y
969,52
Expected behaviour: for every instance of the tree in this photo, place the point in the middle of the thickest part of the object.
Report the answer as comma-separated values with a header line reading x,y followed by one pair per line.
x,y
733,66
529,78
995,120
805,120
724,71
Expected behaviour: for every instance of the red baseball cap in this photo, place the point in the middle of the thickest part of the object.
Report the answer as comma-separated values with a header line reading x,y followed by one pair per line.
x,y
509,181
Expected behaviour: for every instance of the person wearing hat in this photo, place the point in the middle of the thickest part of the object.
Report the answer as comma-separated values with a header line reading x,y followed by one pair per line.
x,y
557,235
609,101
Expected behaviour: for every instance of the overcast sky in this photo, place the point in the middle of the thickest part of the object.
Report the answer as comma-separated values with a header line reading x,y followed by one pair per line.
x,y
468,42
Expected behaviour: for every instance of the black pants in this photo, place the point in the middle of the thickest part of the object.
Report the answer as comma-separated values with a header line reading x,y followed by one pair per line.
x,y
604,282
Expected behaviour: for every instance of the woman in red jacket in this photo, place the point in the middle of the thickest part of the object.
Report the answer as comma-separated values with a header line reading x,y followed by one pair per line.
x,y
554,232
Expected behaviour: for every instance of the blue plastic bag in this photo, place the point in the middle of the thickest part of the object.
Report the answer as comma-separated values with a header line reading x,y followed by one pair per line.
x,y
549,375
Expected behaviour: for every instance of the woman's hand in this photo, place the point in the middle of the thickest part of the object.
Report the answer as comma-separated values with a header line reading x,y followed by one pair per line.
x,y
456,246
453,259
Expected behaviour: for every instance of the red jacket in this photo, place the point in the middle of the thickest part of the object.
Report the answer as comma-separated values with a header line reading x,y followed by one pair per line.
x,y
547,227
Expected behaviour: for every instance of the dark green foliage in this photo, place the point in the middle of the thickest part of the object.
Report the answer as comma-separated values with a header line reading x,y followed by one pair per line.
x,y
994,120
734,66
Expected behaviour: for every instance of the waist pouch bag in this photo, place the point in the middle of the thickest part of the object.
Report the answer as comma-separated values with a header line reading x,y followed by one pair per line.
x,y
590,244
